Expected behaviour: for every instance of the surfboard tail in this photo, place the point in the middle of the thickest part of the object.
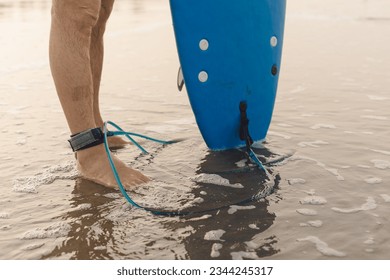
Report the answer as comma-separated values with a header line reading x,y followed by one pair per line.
x,y
230,52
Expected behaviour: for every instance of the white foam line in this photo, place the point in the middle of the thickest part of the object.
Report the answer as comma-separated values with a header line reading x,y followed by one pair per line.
x,y
381,152
316,224
369,205
216,180
333,171
323,125
33,246
313,144
377,98
234,208
284,125
349,132
60,229
373,180
29,184
322,247
294,181
204,217
100,248
307,212
381,118
313,200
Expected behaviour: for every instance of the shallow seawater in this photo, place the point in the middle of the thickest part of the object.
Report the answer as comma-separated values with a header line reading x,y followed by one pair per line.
x,y
331,196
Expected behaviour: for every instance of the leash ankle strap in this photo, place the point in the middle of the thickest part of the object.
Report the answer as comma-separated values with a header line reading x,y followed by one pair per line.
x,y
86,139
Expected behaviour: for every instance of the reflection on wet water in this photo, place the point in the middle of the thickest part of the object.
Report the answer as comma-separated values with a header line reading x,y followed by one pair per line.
x,y
101,225
237,223
89,233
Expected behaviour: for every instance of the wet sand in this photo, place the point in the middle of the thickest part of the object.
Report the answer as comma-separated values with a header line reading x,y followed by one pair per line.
x,y
332,198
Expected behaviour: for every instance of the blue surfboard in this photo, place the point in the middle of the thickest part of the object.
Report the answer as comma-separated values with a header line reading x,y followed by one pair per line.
x,y
230,55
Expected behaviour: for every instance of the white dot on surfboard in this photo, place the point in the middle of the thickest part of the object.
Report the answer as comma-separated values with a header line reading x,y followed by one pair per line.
x,y
203,76
274,41
204,45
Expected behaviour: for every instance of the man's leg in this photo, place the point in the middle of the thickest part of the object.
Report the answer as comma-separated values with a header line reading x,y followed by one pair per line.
x,y
96,54
70,61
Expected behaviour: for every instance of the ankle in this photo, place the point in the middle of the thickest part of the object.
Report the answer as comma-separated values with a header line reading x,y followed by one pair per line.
x,y
90,154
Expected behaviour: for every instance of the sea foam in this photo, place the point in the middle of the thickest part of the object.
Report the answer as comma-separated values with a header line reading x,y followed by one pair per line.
x,y
29,184
214,234
322,247
215,250
307,212
322,125
314,144
294,181
386,197
4,215
316,224
373,180
216,180
369,205
313,200
234,208
60,229
244,255
381,164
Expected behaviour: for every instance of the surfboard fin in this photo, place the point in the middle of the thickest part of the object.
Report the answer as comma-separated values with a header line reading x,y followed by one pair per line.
x,y
180,79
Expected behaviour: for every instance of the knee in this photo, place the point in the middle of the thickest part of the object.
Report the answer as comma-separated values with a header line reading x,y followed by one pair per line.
x,y
104,14
105,11
80,15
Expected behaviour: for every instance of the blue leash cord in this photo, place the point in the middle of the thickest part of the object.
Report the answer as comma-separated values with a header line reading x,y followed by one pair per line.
x,y
111,161
128,135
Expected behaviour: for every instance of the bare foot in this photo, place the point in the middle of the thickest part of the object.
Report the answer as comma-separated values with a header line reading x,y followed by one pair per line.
x,y
93,165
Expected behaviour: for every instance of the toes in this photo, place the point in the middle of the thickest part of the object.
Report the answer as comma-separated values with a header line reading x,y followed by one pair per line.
x,y
135,182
